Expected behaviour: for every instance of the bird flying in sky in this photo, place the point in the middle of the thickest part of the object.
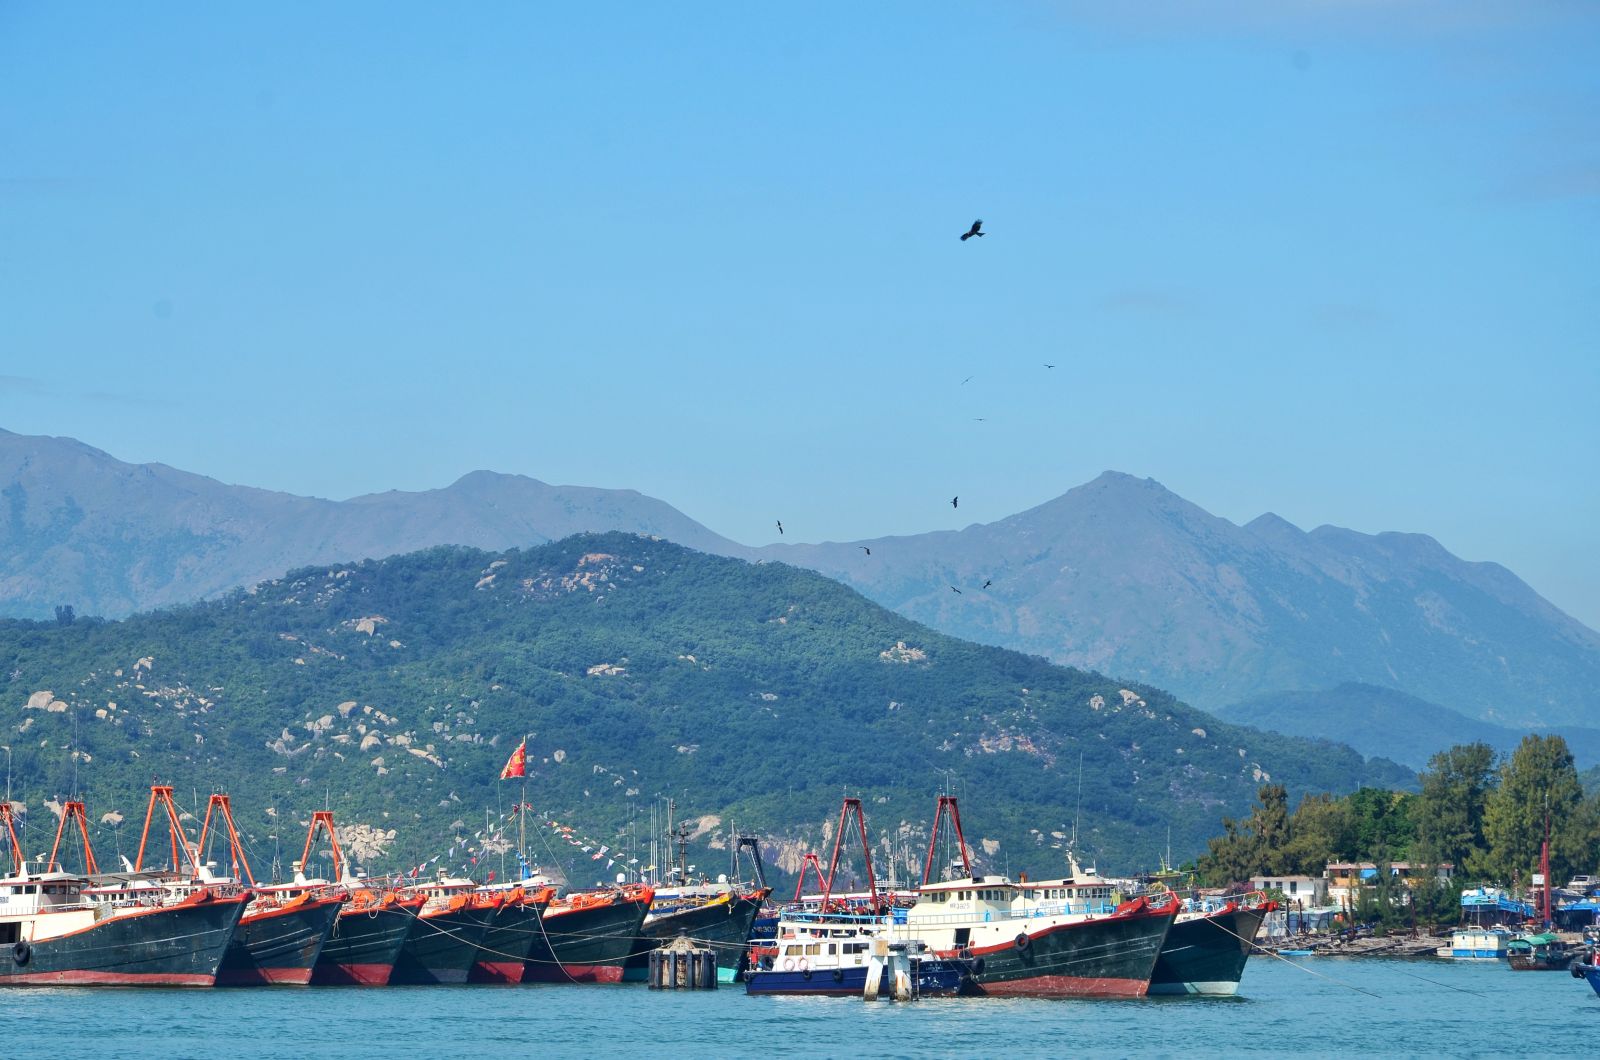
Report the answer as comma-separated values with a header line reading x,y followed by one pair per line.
x,y
955,502
1049,366
780,526
975,230
956,591
988,582
865,549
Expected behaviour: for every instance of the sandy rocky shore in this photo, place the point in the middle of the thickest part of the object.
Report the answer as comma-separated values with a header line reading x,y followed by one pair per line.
x,y
1397,945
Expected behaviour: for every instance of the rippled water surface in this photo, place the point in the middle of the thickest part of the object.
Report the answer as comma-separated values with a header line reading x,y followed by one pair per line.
x,y
1349,1007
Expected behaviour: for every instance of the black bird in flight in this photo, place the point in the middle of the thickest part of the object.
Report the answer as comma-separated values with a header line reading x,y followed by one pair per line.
x,y
967,380
955,502
1049,366
988,582
955,590
780,526
975,230
865,549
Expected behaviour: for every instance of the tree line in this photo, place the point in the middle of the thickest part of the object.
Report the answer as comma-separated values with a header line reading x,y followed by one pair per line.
x,y
1483,815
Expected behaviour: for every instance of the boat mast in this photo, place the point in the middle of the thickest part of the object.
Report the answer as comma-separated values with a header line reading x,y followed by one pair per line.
x,y
241,864
946,801
852,806
73,810
522,817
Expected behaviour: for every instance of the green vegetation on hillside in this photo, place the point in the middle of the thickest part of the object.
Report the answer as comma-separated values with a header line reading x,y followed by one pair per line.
x,y
393,690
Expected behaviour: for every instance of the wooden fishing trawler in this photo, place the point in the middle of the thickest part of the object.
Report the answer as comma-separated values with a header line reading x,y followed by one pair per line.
x,y
1207,947
284,926
588,935
88,928
372,925
446,932
515,931
1053,938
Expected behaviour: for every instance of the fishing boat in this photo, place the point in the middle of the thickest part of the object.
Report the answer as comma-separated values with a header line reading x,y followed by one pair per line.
x,y
284,926
824,944
373,923
1206,949
513,933
1544,952
59,927
447,931
1066,937
831,955
588,935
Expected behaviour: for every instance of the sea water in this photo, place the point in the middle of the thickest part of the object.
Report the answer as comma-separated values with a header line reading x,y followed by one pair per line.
x,y
1310,1007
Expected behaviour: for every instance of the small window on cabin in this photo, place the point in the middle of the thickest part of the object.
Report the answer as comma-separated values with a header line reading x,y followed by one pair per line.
x,y
791,951
814,949
833,949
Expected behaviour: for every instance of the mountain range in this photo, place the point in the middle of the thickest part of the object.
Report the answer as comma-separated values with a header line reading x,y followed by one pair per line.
x,y
1119,575
393,690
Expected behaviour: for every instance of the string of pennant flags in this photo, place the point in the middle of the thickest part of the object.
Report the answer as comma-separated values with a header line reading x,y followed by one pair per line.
x,y
494,834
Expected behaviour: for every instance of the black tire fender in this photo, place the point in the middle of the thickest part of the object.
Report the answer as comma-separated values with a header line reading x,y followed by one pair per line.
x,y
21,952
1022,941
838,975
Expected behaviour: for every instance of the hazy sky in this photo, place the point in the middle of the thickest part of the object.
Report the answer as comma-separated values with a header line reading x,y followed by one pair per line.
x,y
1336,260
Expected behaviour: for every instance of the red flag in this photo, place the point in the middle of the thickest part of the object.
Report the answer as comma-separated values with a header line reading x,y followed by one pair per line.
x,y
517,764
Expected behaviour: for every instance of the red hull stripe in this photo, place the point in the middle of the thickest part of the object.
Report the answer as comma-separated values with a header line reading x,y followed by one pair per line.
x,y
1068,986
265,977
496,972
580,973
355,974
90,978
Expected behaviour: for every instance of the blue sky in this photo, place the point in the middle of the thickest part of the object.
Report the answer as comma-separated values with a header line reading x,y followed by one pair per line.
x,y
1334,260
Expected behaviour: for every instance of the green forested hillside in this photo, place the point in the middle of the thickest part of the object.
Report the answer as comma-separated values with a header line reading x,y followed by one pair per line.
x,y
393,691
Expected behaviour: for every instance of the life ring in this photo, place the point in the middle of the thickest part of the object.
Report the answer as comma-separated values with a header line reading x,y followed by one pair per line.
x,y
838,975
788,964
1022,941
21,951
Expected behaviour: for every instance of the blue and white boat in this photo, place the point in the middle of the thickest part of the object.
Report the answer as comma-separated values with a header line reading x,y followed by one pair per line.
x,y
831,954
1477,944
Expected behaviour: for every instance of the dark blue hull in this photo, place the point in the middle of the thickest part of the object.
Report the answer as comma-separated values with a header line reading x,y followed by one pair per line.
x,y
1592,974
934,978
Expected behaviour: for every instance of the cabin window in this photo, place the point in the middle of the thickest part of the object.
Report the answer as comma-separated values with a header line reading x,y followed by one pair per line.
x,y
791,951
833,949
814,949
10,933
31,888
